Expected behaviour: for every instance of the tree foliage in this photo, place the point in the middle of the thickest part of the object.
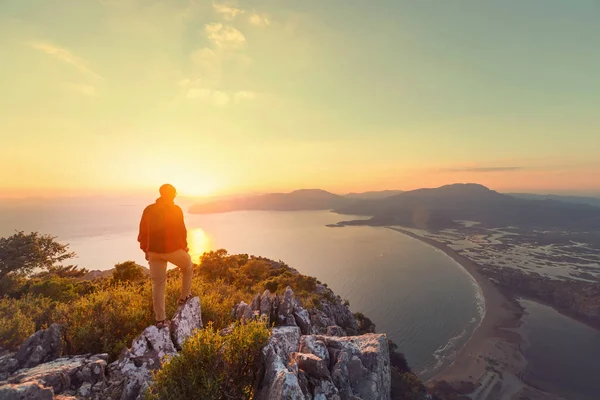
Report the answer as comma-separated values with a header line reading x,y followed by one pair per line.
x,y
24,253
128,271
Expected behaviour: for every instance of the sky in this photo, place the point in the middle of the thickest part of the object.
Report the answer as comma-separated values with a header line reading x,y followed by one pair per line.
x,y
120,96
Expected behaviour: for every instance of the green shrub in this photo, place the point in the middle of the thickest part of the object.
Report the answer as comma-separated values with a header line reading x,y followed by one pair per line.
x,y
211,366
20,318
107,320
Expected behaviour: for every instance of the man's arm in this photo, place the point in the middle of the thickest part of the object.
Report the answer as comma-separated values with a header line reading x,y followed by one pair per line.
x,y
183,230
144,231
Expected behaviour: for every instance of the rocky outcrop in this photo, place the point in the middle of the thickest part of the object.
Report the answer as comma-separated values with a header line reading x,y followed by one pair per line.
x,y
36,372
67,375
309,355
312,367
333,317
132,373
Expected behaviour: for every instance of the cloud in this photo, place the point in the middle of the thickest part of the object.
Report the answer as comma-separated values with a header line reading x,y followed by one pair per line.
x,y
244,95
65,56
81,88
259,19
227,12
225,36
214,97
483,169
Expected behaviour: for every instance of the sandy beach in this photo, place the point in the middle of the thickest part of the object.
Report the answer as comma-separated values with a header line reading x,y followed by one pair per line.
x,y
490,364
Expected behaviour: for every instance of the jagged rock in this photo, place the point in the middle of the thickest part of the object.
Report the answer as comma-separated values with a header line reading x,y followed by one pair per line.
x,y
85,390
335,330
278,380
43,346
132,374
255,305
313,345
187,319
317,367
362,365
8,364
26,391
60,375
243,312
266,303
285,387
313,365
302,319
286,308
326,390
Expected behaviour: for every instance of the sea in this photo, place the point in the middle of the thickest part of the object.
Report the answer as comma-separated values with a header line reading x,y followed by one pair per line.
x,y
423,300
563,354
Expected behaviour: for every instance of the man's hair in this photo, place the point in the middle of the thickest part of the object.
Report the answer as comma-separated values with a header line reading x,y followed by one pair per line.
x,y
167,190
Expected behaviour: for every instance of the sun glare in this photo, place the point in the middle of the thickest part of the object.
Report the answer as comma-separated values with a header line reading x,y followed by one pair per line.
x,y
199,243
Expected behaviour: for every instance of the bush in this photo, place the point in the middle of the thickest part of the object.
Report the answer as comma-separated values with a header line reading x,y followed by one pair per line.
x,y
107,320
128,271
20,318
211,366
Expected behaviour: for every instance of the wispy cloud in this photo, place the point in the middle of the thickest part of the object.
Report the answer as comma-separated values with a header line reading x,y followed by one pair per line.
x,y
66,56
259,19
483,169
226,11
83,89
214,97
224,36
244,95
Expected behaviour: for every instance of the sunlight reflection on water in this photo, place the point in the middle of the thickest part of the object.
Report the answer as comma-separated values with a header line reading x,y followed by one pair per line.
x,y
198,242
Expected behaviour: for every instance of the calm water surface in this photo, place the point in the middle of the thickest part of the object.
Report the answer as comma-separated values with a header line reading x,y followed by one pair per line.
x,y
416,294
563,354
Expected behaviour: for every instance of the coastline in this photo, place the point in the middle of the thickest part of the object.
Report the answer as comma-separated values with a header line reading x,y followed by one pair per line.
x,y
491,360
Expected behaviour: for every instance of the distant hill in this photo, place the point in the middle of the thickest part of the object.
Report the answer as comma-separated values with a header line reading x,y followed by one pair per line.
x,y
440,207
107,273
375,195
305,199
590,201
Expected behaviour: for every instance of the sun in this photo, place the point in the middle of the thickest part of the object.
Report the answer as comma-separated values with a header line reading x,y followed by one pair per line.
x,y
195,186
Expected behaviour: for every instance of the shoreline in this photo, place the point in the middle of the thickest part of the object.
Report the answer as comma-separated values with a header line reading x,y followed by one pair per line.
x,y
491,359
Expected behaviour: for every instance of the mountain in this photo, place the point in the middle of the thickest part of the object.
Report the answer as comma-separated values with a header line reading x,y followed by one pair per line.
x,y
305,199
590,201
440,207
382,194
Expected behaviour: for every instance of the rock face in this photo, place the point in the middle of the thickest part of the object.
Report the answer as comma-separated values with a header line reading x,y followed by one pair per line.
x,y
333,316
43,346
312,367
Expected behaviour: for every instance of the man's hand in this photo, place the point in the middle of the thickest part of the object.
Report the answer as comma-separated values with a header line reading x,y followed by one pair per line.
x,y
146,255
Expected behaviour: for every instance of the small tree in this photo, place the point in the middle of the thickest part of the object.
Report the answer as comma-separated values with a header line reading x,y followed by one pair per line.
x,y
24,253
128,271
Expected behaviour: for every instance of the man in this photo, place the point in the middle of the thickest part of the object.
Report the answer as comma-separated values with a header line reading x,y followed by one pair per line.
x,y
163,237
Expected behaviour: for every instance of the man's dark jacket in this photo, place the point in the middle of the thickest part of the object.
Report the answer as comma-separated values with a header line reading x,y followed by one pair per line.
x,y
162,229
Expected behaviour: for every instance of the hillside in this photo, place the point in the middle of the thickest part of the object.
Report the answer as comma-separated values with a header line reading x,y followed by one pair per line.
x,y
590,201
373,195
305,199
440,207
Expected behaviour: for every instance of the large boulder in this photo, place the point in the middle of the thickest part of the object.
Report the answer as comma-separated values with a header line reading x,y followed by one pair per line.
x,y
43,346
55,377
26,391
187,319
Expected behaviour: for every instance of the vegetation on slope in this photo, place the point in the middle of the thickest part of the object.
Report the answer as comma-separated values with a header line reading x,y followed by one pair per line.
x,y
106,314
